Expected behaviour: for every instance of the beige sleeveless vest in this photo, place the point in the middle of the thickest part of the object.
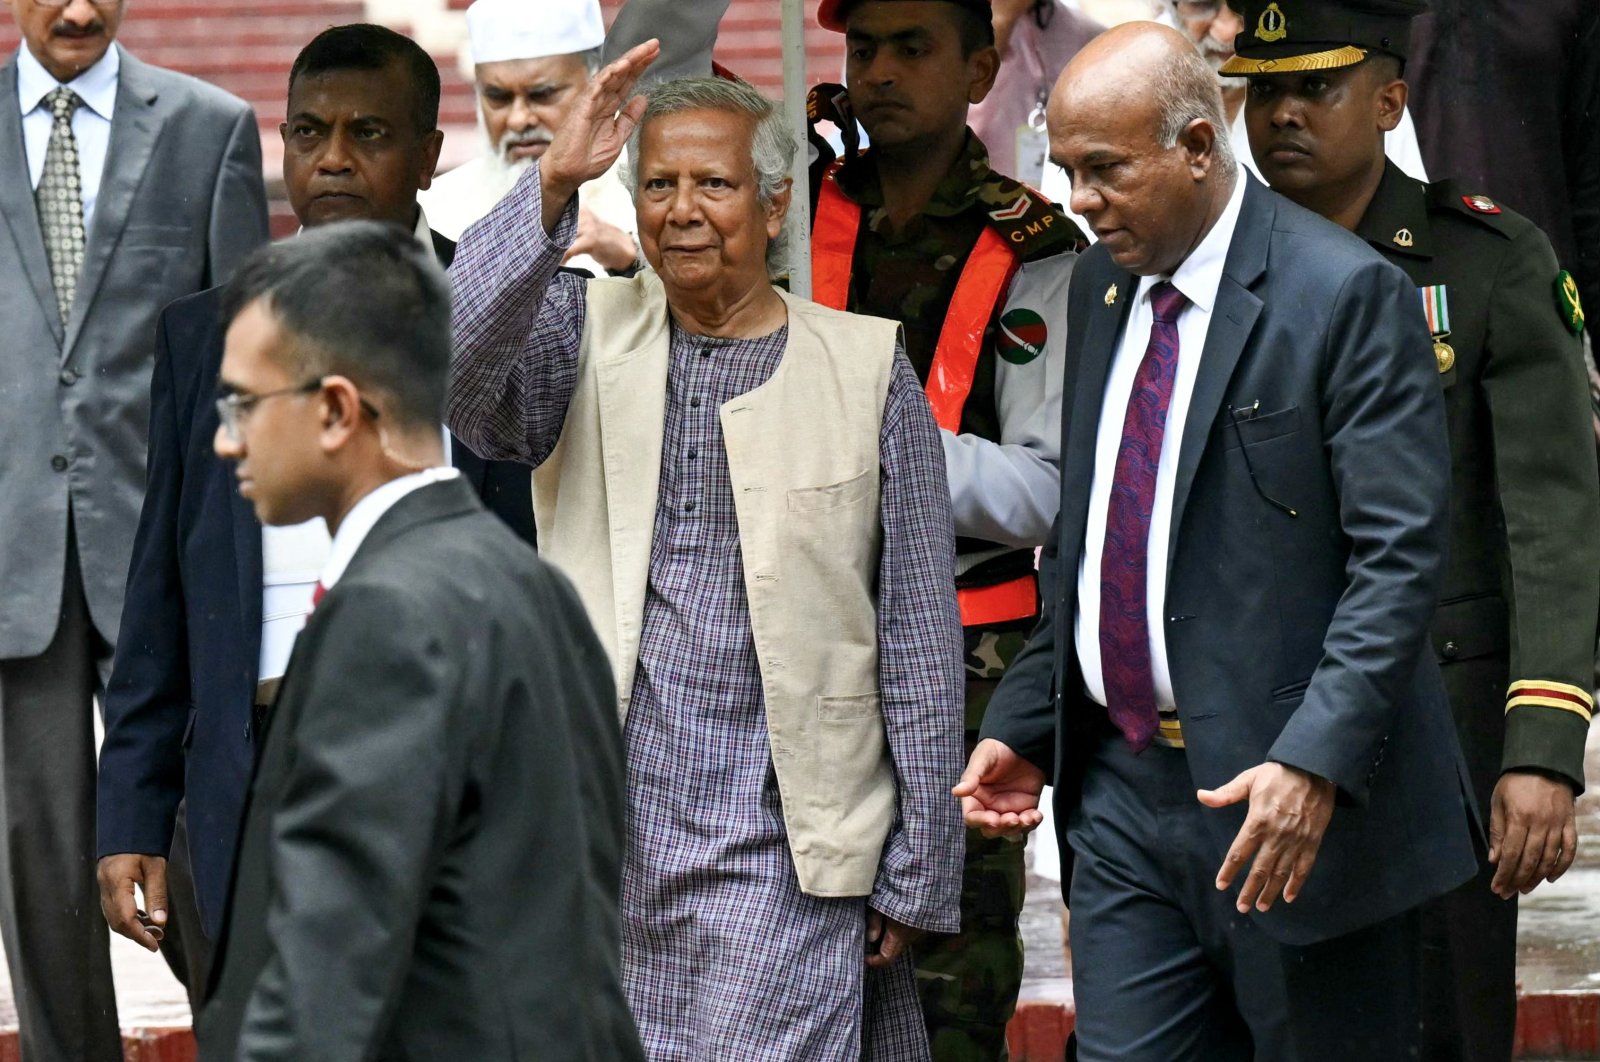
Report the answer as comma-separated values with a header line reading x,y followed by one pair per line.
x,y
804,460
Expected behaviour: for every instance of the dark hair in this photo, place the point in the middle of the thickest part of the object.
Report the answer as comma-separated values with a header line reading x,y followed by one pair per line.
x,y
1384,67
361,299
976,29
363,46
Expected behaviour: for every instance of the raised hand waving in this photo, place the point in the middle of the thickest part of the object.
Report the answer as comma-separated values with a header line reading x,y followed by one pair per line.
x,y
595,132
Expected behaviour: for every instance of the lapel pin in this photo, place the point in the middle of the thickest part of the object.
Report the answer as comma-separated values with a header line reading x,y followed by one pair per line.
x,y
1111,295
1403,238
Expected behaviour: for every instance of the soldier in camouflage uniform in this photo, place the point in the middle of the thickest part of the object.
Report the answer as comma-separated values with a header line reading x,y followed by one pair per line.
x,y
1515,628
975,267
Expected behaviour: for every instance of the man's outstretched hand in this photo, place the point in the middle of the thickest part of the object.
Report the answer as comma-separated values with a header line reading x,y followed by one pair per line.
x,y
999,791
1289,813
590,141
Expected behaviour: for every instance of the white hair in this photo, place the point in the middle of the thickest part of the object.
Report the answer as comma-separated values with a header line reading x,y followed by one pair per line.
x,y
1186,89
772,144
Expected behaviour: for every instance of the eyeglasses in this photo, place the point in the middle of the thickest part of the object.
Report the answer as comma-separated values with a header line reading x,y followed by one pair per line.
x,y
1197,10
233,407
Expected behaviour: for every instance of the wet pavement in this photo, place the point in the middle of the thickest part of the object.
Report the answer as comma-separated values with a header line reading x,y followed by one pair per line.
x,y
1558,927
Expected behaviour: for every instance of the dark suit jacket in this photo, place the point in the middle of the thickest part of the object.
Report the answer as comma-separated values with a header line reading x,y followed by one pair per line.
x,y
432,849
181,204
178,708
1292,638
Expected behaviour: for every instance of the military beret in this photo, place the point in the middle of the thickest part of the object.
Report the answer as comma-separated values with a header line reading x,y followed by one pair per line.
x,y
1293,36
833,13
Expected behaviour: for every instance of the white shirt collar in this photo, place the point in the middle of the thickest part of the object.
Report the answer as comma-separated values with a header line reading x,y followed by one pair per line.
x,y
96,86
361,518
423,231
1200,275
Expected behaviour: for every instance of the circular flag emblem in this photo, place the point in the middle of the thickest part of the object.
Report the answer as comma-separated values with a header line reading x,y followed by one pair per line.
x,y
1022,336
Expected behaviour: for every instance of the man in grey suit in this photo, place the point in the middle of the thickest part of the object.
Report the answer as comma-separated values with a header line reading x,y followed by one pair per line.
x,y
122,187
432,849
1255,483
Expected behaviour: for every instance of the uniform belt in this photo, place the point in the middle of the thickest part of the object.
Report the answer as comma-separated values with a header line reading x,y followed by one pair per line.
x,y
1014,599
1169,734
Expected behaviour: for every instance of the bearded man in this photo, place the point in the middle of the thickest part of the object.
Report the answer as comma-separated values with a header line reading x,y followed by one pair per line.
x,y
531,63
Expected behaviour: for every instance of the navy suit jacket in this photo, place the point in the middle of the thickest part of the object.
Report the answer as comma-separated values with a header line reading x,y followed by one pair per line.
x,y
178,707
1295,638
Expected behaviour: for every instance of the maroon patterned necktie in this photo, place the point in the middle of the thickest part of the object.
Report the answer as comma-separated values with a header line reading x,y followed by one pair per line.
x,y
318,592
1124,619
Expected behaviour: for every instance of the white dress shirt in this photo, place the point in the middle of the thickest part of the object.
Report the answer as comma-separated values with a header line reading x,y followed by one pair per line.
x,y
91,123
291,558
1198,277
365,514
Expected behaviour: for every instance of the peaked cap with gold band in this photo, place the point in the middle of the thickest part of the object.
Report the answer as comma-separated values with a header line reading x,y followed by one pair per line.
x,y
832,14
1296,36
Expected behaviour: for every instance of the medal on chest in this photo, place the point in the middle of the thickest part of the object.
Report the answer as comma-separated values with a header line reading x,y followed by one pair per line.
x,y
1436,307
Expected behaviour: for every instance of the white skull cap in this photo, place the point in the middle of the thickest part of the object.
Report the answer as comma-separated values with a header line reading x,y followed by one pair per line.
x,y
532,29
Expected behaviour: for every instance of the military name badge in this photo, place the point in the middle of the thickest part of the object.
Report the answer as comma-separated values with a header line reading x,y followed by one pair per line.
x,y
1436,307
1568,303
1023,335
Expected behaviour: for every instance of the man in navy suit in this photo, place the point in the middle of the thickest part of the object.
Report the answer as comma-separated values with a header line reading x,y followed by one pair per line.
x,y
215,600
1255,479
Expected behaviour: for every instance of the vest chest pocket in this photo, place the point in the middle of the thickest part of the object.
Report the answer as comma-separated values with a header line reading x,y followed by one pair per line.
x,y
833,495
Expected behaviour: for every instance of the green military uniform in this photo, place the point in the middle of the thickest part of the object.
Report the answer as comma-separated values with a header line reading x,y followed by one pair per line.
x,y
1515,630
1514,633
968,983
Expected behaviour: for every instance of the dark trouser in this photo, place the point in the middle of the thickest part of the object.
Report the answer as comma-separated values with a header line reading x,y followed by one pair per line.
x,y
55,937
185,947
1469,979
1166,970
1469,936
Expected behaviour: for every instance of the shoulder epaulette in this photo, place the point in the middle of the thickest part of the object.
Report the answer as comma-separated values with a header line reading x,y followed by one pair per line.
x,y
1457,198
1033,226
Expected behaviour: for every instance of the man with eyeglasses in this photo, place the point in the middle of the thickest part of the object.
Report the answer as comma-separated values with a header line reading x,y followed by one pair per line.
x,y
430,863
215,599
122,188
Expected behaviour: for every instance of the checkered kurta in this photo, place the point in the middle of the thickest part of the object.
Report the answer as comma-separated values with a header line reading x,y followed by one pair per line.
x,y
724,957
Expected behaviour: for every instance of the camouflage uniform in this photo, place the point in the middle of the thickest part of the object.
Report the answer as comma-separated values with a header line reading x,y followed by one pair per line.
x,y
969,982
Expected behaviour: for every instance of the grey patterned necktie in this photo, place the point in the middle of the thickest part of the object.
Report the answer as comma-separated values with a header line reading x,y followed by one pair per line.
x,y
60,200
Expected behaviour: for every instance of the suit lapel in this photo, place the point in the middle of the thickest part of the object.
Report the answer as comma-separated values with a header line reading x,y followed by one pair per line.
x,y
1232,320
1087,385
16,201
134,129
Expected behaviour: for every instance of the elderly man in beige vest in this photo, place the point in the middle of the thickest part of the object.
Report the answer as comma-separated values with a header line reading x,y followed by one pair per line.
x,y
749,493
